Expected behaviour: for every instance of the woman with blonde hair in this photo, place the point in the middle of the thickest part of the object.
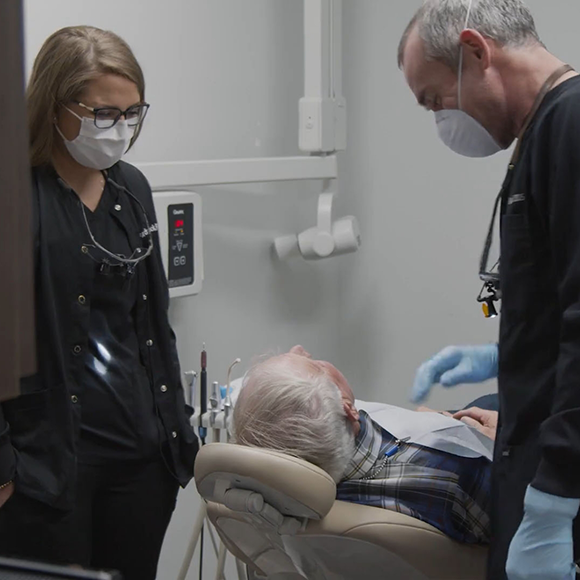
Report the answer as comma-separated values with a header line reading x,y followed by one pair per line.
x,y
93,451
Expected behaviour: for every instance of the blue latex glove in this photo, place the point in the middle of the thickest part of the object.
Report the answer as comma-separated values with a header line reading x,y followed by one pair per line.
x,y
455,365
542,548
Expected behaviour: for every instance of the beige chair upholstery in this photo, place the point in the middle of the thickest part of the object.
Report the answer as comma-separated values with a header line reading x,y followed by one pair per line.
x,y
280,516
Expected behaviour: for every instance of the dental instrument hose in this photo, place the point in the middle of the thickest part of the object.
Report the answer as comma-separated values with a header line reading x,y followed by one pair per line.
x,y
202,436
203,396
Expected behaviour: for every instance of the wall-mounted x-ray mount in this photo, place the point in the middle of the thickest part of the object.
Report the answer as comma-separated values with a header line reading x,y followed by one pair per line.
x,y
326,239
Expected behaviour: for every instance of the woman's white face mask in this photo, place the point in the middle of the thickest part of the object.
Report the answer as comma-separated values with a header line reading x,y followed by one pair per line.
x,y
461,132
98,148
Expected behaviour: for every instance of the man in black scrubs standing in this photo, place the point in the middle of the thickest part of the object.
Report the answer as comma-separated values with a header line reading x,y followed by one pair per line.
x,y
480,66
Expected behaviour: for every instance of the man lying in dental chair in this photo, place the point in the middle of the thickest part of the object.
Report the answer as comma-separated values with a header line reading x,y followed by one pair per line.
x,y
428,465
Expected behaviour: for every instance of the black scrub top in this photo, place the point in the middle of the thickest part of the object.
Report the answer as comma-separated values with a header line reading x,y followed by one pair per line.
x,y
119,420
40,431
538,441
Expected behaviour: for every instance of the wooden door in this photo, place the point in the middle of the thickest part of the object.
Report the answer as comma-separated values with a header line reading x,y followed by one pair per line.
x,y
17,341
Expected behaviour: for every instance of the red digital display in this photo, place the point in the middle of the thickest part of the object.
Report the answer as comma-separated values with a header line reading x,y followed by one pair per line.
x,y
178,223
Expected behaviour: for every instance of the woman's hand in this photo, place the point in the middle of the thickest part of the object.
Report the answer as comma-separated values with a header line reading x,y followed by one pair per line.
x,y
484,421
6,493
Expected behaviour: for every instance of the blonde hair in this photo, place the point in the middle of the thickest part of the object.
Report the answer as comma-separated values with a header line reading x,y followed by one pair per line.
x,y
67,61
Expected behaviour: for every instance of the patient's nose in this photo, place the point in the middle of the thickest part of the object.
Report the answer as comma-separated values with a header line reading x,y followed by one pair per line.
x,y
300,351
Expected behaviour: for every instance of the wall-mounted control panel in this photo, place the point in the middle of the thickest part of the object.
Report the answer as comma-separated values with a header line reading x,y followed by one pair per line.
x,y
180,233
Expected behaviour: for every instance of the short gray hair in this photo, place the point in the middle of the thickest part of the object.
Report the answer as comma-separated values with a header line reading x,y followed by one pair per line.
x,y
441,22
283,408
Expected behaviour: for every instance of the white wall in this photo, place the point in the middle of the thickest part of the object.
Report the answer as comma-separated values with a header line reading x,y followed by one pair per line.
x,y
224,78
424,211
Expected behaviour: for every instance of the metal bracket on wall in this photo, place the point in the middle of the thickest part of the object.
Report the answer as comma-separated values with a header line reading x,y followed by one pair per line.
x,y
322,84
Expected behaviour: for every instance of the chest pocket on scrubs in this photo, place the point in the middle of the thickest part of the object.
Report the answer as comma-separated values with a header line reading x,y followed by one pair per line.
x,y
520,276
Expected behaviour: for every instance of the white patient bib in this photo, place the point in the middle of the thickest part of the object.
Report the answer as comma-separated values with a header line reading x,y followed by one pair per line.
x,y
430,429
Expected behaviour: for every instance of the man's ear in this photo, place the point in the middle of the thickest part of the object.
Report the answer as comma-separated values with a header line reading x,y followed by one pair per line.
x,y
475,44
350,411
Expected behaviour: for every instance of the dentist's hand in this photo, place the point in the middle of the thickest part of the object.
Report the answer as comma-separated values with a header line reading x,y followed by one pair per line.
x,y
542,548
455,365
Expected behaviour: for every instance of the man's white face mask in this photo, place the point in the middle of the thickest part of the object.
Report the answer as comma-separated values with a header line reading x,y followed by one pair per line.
x,y
463,134
460,132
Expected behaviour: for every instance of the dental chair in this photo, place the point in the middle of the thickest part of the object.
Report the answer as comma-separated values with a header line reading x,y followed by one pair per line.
x,y
278,515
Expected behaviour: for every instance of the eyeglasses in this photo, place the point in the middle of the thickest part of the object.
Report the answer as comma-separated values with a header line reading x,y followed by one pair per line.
x,y
107,117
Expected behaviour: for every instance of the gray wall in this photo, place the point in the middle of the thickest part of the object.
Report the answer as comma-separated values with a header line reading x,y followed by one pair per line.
x,y
424,211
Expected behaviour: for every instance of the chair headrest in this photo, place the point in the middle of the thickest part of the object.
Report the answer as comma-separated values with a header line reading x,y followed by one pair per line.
x,y
293,486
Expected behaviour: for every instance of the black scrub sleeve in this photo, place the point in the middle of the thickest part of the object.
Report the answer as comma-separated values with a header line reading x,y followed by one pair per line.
x,y
558,153
7,457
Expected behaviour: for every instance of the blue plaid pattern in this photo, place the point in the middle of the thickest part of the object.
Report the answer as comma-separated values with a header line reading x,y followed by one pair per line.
x,y
449,492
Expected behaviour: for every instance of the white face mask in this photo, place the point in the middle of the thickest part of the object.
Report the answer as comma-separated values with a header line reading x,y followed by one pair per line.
x,y
461,132
98,148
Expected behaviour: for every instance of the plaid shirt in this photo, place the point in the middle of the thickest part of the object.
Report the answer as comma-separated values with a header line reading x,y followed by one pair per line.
x,y
449,492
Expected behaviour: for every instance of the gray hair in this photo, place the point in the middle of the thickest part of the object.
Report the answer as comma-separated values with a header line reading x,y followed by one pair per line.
x,y
441,22
283,408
